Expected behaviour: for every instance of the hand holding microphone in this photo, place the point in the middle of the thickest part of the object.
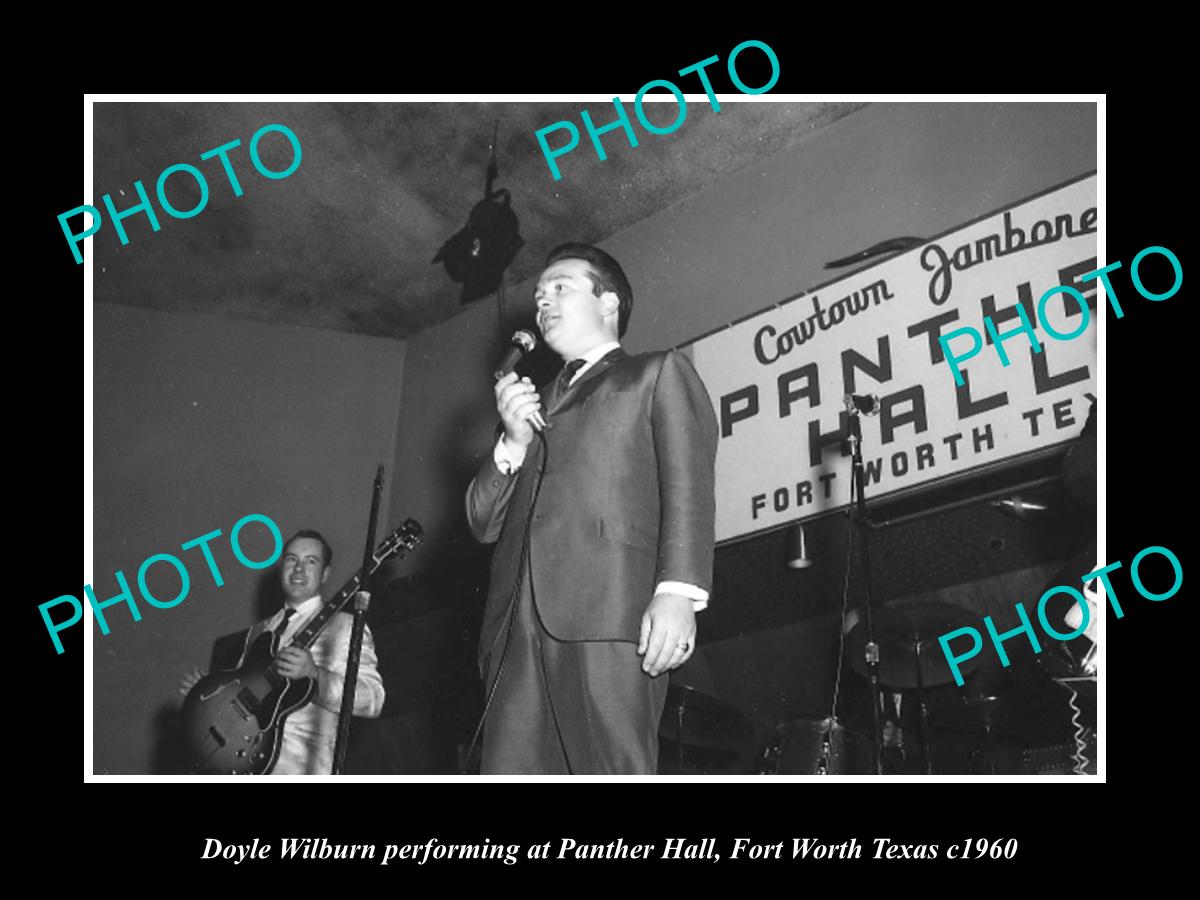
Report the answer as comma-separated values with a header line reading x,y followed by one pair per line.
x,y
517,400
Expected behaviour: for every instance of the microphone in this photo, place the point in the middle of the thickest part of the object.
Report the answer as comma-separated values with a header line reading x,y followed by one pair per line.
x,y
522,342
867,404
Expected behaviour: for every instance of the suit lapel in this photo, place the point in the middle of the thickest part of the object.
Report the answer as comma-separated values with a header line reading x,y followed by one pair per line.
x,y
602,365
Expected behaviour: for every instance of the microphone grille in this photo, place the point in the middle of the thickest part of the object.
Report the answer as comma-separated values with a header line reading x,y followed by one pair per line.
x,y
524,339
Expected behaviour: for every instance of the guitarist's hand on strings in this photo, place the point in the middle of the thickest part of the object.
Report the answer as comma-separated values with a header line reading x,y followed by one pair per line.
x,y
188,681
293,662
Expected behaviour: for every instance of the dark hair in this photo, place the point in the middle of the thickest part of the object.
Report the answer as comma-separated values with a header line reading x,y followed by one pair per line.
x,y
316,536
607,275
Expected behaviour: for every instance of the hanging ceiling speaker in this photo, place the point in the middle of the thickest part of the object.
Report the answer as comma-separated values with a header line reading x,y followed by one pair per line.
x,y
477,256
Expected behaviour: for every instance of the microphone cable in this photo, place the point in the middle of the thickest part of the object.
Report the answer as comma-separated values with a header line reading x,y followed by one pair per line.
x,y
1080,736
513,598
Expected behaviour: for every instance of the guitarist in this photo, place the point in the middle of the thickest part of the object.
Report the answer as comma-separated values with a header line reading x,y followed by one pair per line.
x,y
310,732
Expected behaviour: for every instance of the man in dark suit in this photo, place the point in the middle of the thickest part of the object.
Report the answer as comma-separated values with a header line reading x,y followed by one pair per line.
x,y
604,523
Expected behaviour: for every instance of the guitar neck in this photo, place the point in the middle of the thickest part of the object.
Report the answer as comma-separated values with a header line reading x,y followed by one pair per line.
x,y
398,543
317,623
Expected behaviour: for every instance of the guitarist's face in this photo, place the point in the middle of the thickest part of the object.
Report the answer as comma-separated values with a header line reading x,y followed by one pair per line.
x,y
303,571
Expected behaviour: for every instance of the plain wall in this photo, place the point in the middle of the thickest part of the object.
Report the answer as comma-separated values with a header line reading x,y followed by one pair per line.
x,y
755,238
199,421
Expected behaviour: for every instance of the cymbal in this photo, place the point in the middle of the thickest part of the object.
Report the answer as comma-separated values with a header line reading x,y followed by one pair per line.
x,y
1026,713
1005,700
699,720
903,629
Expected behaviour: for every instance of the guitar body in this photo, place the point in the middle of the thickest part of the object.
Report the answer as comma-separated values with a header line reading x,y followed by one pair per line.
x,y
234,720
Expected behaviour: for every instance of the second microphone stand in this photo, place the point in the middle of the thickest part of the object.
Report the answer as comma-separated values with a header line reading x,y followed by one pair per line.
x,y
362,598
860,522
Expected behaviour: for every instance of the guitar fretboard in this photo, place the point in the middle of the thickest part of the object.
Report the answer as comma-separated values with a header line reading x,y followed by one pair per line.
x,y
398,543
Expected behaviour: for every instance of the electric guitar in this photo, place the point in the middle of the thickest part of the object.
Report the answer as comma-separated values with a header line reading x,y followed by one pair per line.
x,y
233,720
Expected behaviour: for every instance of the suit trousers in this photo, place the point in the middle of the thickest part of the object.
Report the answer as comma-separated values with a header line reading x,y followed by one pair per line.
x,y
568,707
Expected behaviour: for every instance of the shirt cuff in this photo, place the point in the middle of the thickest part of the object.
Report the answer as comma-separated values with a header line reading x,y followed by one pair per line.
x,y
508,459
699,596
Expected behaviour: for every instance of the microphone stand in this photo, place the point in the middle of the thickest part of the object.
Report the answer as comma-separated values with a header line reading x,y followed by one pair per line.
x,y
859,518
362,599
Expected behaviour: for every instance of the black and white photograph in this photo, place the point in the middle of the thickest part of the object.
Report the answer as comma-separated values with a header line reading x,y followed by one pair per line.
x,y
731,451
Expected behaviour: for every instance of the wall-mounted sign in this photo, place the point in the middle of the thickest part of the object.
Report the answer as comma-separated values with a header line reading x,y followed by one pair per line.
x,y
778,378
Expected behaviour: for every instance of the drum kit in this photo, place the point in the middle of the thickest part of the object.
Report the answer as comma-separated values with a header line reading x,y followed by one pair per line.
x,y
704,734
1027,719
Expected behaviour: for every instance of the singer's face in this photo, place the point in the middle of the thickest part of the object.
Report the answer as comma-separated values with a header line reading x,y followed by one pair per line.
x,y
571,317
302,570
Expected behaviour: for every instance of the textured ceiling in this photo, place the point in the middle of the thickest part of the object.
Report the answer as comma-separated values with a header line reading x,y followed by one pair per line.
x,y
346,242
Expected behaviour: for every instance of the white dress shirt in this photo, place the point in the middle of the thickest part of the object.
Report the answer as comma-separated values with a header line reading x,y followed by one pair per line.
x,y
309,733
509,458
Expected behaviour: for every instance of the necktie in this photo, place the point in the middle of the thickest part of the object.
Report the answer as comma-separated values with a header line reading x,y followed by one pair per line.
x,y
567,373
282,626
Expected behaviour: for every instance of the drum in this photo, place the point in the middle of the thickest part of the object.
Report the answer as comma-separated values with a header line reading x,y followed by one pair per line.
x,y
817,747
